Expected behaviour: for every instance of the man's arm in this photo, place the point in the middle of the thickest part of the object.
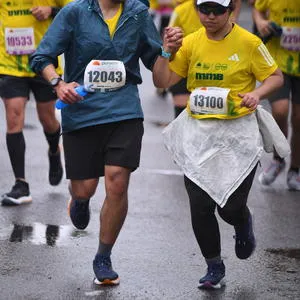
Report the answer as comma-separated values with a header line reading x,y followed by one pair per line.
x,y
237,10
262,22
42,13
65,91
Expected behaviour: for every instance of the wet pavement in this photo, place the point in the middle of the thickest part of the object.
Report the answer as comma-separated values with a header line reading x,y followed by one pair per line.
x,y
42,256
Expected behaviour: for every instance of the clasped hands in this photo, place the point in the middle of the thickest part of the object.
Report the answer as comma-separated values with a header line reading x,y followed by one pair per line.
x,y
172,39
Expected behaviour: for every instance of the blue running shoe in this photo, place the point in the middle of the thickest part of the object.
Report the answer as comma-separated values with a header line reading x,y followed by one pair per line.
x,y
214,278
244,239
79,213
104,273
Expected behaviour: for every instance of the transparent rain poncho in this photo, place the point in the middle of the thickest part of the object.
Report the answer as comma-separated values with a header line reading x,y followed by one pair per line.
x,y
218,155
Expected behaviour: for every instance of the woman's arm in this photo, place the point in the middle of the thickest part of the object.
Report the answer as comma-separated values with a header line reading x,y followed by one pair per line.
x,y
268,86
163,77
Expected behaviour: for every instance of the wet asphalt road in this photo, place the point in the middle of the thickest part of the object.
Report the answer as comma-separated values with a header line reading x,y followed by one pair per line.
x,y
43,257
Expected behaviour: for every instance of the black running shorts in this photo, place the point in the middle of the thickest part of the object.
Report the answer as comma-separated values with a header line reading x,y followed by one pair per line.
x,y
12,86
89,149
289,90
179,88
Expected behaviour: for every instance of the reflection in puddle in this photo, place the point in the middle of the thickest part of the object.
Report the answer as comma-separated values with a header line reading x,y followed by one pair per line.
x,y
160,123
41,234
287,252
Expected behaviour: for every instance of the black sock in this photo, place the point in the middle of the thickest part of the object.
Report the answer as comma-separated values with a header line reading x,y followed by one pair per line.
x,y
104,249
53,140
16,149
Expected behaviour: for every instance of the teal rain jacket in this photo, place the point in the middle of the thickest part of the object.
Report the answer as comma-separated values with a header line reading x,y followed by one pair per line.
x,y
80,32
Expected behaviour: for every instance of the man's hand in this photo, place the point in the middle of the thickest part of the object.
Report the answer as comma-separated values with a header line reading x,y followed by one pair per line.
x,y
264,28
250,100
66,92
172,39
41,13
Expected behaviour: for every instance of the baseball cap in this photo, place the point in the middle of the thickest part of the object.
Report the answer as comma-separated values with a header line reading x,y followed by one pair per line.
x,y
224,3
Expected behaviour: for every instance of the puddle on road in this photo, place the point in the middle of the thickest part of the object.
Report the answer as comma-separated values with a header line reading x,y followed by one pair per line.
x,y
30,126
160,123
287,252
41,234
283,262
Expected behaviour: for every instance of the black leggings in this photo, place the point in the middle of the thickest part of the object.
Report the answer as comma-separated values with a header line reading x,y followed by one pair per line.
x,y
204,221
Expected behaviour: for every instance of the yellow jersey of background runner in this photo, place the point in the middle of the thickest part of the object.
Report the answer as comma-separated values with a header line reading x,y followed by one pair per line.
x,y
16,14
285,13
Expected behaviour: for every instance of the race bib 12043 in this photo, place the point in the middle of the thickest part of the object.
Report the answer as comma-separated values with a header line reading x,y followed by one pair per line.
x,y
19,41
209,101
104,75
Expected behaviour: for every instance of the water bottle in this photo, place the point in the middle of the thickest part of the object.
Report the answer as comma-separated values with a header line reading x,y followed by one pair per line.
x,y
80,91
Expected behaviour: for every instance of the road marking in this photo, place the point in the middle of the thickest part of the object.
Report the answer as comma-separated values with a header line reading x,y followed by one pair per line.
x,y
162,172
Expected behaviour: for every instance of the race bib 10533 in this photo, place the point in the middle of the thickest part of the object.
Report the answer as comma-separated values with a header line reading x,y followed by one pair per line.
x,y
19,41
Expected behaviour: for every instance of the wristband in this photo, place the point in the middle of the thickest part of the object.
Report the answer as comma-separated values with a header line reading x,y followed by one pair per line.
x,y
165,54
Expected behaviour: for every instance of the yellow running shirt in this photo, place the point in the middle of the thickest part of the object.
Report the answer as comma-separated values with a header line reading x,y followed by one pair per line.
x,y
19,27
153,4
185,16
285,13
112,23
234,63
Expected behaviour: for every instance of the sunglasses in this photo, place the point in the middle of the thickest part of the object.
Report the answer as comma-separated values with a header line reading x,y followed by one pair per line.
x,y
215,10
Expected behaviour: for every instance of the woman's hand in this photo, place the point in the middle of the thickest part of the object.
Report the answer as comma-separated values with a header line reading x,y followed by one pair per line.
x,y
250,100
264,28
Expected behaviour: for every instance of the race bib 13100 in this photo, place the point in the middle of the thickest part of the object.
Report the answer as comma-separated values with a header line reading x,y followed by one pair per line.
x,y
209,101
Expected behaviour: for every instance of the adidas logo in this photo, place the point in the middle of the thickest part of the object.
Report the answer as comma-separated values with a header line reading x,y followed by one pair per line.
x,y
234,57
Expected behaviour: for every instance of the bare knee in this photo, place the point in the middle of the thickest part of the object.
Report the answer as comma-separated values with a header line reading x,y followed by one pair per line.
x,y
46,115
83,189
280,111
116,181
15,114
295,120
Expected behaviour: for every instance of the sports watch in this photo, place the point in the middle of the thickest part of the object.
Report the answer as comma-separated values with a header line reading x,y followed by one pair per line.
x,y
165,54
54,81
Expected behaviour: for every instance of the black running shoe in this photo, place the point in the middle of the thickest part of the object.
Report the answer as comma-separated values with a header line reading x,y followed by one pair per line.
x,y
55,168
244,239
19,194
104,273
214,278
79,213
